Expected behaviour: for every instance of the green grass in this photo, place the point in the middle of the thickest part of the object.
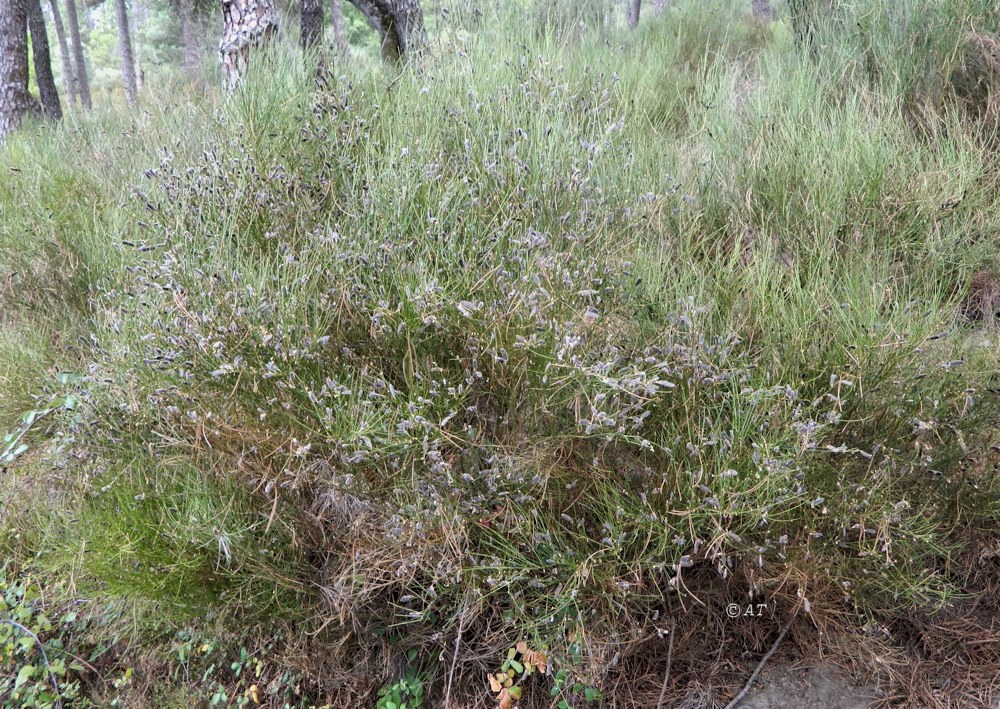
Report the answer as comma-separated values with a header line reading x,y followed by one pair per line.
x,y
543,341
23,359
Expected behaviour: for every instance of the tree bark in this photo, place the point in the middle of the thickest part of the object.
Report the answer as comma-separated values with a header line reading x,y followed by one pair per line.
x,y
80,75
632,13
67,61
125,47
189,37
312,23
43,60
246,25
802,12
339,36
763,10
140,13
400,24
15,100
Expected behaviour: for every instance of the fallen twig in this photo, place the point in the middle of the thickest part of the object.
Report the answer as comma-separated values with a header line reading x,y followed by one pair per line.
x,y
454,659
670,654
45,658
760,666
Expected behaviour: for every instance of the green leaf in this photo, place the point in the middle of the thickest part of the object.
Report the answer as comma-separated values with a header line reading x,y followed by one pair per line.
x,y
408,364
26,673
518,667
16,452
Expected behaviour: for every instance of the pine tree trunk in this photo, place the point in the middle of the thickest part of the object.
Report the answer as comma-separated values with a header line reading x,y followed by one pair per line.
x,y
763,10
312,23
140,12
140,75
802,22
189,37
14,98
632,13
246,25
69,88
400,24
82,83
125,47
43,60
339,36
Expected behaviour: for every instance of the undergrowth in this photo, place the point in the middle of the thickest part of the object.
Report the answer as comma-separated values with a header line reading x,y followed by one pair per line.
x,y
518,363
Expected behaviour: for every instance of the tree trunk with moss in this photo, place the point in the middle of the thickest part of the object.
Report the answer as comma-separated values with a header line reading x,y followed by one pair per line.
x,y
67,59
140,14
125,47
43,60
82,82
247,25
189,38
312,23
763,10
339,35
400,24
632,8
15,100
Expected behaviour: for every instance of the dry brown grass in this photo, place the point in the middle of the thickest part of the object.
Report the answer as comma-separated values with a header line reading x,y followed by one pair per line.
x,y
982,301
976,79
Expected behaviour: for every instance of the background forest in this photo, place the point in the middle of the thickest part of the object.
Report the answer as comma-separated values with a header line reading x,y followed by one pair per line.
x,y
170,58
489,361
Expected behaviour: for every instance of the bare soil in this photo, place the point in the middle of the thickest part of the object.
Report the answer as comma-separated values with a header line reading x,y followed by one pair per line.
x,y
807,687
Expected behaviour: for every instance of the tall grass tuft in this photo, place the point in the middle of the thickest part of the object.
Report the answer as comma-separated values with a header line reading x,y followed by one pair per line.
x,y
541,341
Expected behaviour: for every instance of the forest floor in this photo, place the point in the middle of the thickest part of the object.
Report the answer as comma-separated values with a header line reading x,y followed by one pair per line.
x,y
497,381
807,687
